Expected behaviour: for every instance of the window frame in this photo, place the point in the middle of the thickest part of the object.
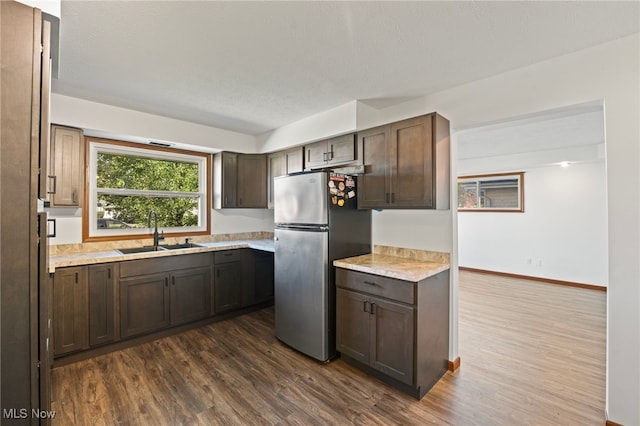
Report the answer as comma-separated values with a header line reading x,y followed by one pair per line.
x,y
93,145
490,177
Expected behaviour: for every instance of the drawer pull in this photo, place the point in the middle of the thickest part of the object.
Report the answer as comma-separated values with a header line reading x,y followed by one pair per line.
x,y
370,283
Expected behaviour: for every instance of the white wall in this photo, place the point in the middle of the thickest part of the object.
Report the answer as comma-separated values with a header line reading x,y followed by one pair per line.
x,y
561,235
137,126
52,7
336,121
231,221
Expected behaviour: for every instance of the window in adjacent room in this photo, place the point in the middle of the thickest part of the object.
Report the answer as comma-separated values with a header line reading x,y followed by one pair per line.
x,y
502,192
126,181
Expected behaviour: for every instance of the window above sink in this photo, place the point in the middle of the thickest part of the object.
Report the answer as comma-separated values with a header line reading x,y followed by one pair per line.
x,y
125,181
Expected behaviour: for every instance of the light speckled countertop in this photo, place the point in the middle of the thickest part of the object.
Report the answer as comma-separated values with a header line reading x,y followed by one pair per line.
x,y
60,260
393,262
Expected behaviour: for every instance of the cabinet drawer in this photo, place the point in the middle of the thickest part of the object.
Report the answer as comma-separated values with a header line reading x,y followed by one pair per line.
x,y
227,256
164,264
401,291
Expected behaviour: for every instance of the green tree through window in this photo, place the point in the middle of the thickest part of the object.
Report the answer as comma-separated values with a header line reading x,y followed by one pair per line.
x,y
129,186
126,180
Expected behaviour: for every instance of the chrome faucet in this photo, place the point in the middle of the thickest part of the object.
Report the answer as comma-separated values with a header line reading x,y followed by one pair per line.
x,y
156,236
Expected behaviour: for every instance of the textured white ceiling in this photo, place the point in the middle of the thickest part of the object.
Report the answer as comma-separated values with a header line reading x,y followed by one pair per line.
x,y
255,66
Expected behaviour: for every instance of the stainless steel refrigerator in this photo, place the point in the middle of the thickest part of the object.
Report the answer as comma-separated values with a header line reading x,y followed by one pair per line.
x,y
316,221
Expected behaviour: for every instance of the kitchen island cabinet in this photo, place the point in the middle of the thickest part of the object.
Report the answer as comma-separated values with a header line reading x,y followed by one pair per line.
x,y
394,329
406,164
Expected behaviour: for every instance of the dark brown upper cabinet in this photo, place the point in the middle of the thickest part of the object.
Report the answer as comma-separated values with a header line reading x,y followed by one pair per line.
x,y
66,169
283,163
406,164
330,152
239,180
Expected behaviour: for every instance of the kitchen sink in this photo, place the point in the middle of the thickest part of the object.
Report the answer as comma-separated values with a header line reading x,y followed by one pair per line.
x,y
179,246
143,249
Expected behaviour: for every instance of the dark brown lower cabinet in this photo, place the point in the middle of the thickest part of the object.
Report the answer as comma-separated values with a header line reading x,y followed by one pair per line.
x,y
100,304
396,330
227,286
190,295
144,304
263,277
102,298
377,332
70,314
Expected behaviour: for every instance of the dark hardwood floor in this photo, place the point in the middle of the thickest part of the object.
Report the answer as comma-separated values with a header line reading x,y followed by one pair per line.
x,y
532,353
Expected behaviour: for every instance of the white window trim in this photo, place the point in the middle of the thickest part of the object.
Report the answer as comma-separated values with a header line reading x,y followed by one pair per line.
x,y
96,147
493,177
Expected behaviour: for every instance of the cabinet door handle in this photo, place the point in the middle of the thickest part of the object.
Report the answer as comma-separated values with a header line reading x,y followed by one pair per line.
x,y
330,153
173,280
109,273
74,196
364,309
387,198
166,282
76,278
372,311
55,184
308,155
393,197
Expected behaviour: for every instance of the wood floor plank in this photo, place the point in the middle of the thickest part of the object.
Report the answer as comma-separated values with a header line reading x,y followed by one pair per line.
x,y
532,353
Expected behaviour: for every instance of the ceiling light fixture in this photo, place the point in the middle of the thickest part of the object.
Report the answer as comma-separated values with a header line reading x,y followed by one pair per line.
x,y
564,164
